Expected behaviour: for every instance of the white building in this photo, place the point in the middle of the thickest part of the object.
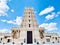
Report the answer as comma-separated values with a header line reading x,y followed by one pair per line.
x,y
29,32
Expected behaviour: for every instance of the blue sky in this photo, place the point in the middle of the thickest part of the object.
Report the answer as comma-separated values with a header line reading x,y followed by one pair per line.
x,y
47,13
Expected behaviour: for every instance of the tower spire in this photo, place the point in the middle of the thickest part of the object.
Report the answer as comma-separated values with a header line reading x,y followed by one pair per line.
x,y
29,20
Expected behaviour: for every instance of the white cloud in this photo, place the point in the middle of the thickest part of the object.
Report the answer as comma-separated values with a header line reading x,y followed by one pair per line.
x,y
48,17
46,10
4,31
3,20
3,7
52,15
58,12
49,26
10,21
17,21
12,10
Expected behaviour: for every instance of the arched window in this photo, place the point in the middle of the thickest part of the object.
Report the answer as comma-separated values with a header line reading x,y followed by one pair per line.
x,y
37,42
24,40
19,30
21,43
1,38
8,40
29,12
56,38
29,25
34,40
43,42
13,43
29,20
29,16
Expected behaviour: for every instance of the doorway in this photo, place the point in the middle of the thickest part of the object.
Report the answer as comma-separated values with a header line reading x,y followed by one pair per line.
x,y
29,37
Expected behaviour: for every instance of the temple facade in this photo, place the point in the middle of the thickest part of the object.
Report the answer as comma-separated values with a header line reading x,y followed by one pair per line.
x,y
29,32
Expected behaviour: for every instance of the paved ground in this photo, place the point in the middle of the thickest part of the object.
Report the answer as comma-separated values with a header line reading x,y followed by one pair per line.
x,y
30,44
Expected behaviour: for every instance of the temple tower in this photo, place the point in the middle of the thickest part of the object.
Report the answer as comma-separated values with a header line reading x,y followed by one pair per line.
x,y
29,31
29,20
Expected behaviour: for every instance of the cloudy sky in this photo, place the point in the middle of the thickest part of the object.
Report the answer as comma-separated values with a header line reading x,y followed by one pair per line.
x,y
47,13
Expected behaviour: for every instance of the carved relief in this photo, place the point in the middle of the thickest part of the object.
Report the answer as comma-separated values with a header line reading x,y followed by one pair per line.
x,y
15,33
41,34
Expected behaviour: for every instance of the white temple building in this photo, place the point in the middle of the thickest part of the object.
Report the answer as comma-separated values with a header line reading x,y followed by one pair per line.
x,y
29,32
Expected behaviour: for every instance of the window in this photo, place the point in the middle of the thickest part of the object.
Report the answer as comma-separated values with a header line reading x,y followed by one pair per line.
x,y
39,30
43,42
5,37
8,40
52,42
34,40
1,38
13,43
24,40
29,12
19,30
3,43
21,43
48,40
37,42
29,20
29,16
56,38
58,41
41,37
29,25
